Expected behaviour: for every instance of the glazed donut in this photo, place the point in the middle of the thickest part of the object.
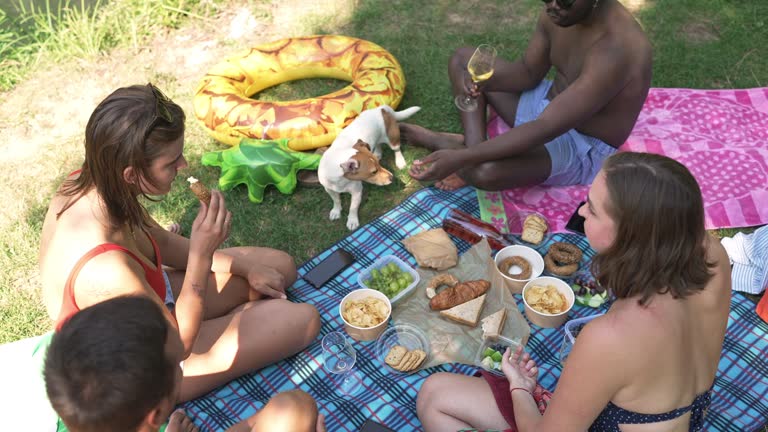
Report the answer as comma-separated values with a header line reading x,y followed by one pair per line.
x,y
438,281
509,262
223,105
565,253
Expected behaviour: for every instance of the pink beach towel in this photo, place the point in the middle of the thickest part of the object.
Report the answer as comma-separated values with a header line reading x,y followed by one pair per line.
x,y
720,135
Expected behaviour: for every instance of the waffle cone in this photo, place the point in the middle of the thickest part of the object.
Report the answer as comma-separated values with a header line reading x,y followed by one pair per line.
x,y
201,192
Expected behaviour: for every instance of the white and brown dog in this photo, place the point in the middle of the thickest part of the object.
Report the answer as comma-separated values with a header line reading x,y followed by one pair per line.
x,y
354,156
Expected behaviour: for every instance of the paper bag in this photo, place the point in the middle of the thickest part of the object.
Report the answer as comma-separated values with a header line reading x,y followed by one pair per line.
x,y
450,341
432,249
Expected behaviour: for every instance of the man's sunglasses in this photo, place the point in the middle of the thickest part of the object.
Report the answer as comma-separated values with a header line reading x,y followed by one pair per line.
x,y
161,109
562,4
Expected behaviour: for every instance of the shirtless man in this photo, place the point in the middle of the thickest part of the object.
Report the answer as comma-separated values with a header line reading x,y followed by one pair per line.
x,y
563,129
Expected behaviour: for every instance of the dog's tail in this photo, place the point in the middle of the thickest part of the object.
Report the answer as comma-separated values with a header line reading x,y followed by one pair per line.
x,y
406,113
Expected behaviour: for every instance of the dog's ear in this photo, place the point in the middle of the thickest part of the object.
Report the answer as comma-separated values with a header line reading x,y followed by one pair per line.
x,y
350,166
393,130
360,145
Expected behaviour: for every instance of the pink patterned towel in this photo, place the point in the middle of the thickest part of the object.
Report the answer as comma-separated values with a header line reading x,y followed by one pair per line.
x,y
720,135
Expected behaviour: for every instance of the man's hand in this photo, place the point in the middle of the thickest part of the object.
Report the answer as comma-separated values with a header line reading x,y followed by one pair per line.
x,y
267,281
437,165
520,369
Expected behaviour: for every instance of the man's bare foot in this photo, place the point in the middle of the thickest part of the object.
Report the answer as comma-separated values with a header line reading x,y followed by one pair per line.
x,y
451,183
174,228
179,422
423,137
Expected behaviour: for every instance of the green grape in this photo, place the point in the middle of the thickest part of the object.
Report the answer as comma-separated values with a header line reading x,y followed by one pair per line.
x,y
393,268
403,284
375,274
407,276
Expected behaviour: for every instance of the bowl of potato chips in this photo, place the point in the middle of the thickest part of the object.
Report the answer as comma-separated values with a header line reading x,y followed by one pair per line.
x,y
365,313
547,301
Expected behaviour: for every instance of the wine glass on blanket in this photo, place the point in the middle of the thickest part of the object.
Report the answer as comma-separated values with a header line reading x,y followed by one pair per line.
x,y
339,358
480,68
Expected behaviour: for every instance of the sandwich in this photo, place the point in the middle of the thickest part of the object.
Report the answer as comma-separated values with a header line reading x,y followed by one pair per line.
x,y
493,323
466,313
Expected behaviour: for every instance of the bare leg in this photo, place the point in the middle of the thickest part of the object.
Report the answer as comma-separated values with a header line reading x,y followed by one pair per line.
x,y
528,169
452,402
431,140
253,336
293,410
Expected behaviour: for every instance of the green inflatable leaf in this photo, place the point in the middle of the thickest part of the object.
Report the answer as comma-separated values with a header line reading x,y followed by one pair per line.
x,y
257,163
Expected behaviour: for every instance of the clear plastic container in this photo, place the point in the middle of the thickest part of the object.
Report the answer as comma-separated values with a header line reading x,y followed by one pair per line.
x,y
500,345
406,335
571,330
381,262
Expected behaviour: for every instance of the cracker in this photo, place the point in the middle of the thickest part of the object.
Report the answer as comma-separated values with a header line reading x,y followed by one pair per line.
x,y
395,355
418,359
404,361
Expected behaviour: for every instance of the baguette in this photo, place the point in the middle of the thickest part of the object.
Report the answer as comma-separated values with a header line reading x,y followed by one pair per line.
x,y
458,294
466,313
492,324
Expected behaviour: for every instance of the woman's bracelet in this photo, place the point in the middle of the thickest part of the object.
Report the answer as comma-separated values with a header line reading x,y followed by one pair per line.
x,y
512,389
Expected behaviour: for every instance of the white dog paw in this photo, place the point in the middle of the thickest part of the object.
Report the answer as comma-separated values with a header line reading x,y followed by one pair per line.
x,y
335,214
399,161
352,223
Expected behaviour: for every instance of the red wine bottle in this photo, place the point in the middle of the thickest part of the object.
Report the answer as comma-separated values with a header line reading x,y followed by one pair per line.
x,y
471,229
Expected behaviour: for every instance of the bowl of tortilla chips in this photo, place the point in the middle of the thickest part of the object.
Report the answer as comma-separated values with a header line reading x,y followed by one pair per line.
x,y
365,313
547,301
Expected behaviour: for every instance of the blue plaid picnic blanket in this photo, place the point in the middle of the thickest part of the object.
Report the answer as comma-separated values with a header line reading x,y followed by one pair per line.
x,y
740,399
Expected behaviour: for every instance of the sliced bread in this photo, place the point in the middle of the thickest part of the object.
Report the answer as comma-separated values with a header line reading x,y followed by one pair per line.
x,y
466,313
492,324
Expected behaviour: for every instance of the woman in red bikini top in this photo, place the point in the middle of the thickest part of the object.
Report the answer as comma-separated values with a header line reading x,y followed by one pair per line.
x,y
99,242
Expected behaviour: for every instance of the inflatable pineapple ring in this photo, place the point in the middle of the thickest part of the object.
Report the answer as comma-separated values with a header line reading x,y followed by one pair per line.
x,y
223,105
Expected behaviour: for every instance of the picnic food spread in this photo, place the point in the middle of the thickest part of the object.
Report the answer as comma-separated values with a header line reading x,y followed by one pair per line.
x,y
546,299
198,188
403,359
223,105
365,313
458,294
516,261
562,259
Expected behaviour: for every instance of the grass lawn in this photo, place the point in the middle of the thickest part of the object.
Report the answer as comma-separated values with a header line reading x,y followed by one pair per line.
x,y
697,44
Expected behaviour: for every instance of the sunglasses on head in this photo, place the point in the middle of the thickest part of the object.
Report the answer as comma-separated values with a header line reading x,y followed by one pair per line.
x,y
161,109
562,4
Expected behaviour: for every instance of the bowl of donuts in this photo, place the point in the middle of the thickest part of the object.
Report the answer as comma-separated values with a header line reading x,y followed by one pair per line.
x,y
563,260
517,265
547,301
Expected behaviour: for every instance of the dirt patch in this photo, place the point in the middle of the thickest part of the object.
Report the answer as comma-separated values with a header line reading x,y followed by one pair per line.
x,y
43,118
700,31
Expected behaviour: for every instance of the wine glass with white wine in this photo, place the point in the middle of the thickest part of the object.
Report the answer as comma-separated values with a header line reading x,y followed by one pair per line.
x,y
480,68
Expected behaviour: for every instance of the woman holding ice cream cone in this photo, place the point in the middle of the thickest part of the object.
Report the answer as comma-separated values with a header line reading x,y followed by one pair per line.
x,y
99,242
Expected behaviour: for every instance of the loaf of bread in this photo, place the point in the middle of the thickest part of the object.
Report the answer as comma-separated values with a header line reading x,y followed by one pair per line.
x,y
458,294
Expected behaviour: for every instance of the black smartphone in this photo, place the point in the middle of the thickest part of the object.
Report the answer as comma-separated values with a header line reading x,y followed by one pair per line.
x,y
329,267
576,222
372,426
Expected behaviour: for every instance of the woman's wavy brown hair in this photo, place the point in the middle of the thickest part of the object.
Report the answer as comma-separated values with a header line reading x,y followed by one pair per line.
x,y
660,237
130,127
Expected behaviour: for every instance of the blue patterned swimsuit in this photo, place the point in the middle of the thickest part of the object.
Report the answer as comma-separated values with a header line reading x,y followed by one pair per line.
x,y
612,416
